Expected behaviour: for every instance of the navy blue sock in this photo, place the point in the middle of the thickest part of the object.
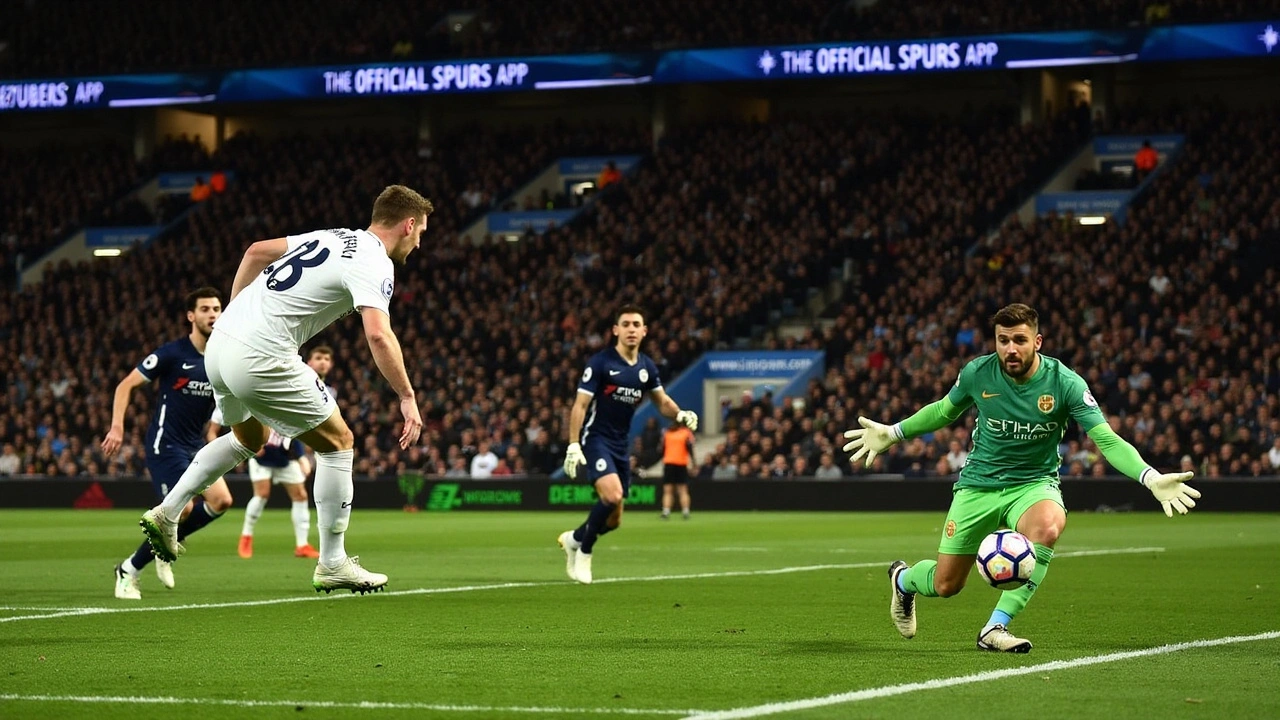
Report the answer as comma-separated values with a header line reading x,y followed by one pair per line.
x,y
143,556
199,516
595,526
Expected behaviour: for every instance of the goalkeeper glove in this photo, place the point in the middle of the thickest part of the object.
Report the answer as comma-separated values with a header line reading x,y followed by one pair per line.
x,y
688,418
573,457
1170,489
873,439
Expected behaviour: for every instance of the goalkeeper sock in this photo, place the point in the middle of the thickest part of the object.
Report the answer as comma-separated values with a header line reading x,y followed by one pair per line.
x,y
918,578
1012,601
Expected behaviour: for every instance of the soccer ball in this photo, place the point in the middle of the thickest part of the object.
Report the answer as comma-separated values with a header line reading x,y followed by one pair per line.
x,y
1006,559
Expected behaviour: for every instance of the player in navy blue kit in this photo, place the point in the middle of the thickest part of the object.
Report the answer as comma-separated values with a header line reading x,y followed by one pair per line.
x,y
285,462
613,385
178,429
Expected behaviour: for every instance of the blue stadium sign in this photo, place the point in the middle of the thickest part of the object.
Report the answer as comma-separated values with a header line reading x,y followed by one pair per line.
x,y
562,72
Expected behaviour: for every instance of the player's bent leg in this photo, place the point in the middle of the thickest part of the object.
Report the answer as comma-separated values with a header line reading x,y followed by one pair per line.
x,y
1043,523
333,442
212,461
609,490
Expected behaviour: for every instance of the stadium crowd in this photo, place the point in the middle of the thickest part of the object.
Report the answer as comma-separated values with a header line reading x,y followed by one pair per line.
x,y
500,331
119,36
1171,318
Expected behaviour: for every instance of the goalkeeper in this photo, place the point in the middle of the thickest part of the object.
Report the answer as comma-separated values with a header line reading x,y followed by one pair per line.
x,y
1024,401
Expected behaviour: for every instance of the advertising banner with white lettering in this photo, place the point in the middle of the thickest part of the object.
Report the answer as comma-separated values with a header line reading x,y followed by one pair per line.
x,y
552,72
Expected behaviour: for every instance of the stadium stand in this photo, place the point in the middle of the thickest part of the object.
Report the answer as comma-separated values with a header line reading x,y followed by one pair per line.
x,y
1190,374
502,329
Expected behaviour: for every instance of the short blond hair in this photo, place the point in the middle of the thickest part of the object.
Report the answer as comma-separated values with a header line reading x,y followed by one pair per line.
x,y
397,203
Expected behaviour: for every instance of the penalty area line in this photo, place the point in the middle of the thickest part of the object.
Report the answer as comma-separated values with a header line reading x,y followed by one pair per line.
x,y
982,677
80,612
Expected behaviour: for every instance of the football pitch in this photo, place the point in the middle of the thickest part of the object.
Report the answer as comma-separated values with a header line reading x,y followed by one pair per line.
x,y
729,615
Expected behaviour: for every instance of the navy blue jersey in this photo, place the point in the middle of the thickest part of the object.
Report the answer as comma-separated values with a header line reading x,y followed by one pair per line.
x,y
185,399
616,388
280,451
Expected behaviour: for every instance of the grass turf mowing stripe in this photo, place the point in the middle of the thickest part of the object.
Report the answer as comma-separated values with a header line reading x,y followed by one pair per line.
x,y
77,612
328,705
892,690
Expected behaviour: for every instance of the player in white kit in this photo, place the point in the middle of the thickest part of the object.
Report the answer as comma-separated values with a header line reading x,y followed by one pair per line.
x,y
285,291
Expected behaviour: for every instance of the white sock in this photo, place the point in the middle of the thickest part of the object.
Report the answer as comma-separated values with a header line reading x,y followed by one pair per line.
x,y
301,515
252,513
128,567
212,462
333,491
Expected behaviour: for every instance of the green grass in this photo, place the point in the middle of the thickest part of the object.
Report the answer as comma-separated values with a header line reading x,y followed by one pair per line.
x,y
709,643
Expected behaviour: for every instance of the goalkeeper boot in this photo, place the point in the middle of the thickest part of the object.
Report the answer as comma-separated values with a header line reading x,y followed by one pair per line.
x,y
127,585
164,571
582,567
570,547
997,638
348,575
902,605
162,533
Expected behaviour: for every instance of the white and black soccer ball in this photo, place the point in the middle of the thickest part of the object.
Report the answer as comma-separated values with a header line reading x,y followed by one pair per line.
x,y
1006,559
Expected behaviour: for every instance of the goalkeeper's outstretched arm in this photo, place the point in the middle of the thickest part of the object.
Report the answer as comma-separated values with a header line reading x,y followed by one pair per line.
x,y
874,438
1169,488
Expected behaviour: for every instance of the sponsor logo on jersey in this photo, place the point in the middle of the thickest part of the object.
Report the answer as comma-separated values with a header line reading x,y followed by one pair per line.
x,y
193,387
1018,430
1045,403
630,396
987,396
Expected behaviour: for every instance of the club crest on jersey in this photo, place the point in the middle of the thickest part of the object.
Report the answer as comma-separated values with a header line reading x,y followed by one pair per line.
x,y
1045,403
644,375
951,528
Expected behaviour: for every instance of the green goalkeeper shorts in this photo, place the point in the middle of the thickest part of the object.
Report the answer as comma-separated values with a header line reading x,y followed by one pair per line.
x,y
978,512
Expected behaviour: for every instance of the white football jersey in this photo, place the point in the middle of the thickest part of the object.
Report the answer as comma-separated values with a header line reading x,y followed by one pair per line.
x,y
323,276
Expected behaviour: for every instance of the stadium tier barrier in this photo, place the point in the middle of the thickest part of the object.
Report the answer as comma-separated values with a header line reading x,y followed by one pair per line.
x,y
435,494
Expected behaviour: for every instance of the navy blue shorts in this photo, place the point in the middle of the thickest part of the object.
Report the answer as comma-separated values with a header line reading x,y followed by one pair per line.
x,y
603,461
167,468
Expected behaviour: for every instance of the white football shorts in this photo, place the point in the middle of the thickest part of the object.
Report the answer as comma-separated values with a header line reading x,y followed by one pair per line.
x,y
284,393
290,474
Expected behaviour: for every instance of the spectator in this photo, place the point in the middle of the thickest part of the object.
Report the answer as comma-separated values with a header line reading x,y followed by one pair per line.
x,y
608,176
218,182
484,462
956,457
200,191
1145,161
10,462
827,469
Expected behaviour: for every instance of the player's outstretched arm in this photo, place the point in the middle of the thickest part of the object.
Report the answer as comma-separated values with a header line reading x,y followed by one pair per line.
x,y
874,438
1169,488
255,260
119,406
671,410
390,361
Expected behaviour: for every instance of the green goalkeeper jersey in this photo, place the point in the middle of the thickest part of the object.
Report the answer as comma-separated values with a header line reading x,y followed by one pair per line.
x,y
1019,427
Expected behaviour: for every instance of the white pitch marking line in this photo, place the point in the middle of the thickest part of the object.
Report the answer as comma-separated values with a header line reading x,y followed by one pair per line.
x,y
327,705
77,612
982,677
